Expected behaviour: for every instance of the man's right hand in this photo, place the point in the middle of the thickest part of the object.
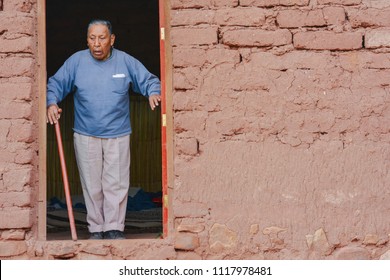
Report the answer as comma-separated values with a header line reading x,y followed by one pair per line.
x,y
53,114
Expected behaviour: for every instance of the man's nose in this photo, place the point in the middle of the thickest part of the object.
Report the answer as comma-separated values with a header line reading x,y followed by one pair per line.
x,y
96,42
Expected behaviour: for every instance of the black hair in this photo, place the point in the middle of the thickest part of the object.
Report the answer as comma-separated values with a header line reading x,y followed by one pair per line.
x,y
103,22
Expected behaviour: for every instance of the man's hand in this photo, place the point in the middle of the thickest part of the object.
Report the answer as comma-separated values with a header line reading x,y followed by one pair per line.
x,y
154,100
53,114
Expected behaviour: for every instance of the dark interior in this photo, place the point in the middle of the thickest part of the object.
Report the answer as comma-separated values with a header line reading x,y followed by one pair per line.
x,y
136,26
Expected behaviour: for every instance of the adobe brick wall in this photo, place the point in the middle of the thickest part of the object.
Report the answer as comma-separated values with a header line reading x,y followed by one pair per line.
x,y
281,129
18,126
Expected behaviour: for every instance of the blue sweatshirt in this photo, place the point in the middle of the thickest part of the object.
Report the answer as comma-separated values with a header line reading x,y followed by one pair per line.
x,y
101,98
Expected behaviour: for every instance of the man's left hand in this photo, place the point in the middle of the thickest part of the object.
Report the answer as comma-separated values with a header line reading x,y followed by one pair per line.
x,y
154,100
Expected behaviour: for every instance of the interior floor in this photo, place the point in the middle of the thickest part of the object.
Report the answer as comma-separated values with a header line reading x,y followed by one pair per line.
x,y
83,234
138,224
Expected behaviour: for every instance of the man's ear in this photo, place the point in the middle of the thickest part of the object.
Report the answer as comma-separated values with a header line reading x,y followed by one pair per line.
x,y
112,39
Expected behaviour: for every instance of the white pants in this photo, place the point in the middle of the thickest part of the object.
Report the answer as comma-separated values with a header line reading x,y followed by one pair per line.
x,y
104,167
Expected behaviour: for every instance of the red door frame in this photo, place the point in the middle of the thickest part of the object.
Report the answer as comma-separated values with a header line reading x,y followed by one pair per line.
x,y
42,117
163,118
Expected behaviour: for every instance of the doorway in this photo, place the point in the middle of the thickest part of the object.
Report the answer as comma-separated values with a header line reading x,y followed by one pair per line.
x,y
136,26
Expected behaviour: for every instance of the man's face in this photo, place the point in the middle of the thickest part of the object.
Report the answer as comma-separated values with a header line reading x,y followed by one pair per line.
x,y
100,41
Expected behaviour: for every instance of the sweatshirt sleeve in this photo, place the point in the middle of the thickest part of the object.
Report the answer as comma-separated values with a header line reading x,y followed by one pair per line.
x,y
143,81
62,82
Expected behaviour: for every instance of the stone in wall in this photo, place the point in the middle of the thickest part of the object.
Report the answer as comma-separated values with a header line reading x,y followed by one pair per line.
x,y
240,17
377,38
16,91
14,66
334,15
194,36
221,238
378,4
272,232
4,129
185,4
220,17
181,4
188,57
340,2
16,26
13,234
12,248
151,249
272,3
15,180
192,17
312,18
21,131
385,256
17,45
298,18
186,241
189,209
194,228
254,229
95,249
326,40
8,221
25,6
188,146
225,3
371,239
368,17
19,199
248,37
188,255
62,250
352,253
319,243
87,256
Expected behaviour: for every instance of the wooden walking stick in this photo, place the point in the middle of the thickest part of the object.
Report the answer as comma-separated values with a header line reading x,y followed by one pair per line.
x,y
66,183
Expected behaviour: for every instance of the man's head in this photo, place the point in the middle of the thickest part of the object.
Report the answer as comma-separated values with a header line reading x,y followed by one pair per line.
x,y
100,39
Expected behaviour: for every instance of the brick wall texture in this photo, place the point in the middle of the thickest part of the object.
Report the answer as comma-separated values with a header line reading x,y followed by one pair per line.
x,y
281,123
18,126
282,127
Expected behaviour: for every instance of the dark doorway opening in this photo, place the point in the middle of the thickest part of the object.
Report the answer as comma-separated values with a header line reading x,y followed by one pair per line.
x,y
136,26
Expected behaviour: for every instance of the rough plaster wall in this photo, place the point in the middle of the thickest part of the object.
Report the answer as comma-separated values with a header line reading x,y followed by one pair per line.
x,y
18,125
282,122
281,119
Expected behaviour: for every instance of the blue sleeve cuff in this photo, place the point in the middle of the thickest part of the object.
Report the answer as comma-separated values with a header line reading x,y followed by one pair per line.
x,y
50,102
